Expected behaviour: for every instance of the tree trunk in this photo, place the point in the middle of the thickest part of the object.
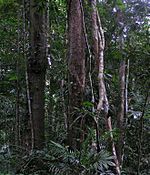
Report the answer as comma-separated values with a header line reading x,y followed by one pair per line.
x,y
125,105
76,68
36,70
121,113
98,51
18,141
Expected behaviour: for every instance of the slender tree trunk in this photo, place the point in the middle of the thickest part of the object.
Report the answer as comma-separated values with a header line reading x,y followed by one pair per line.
x,y
63,104
76,68
109,125
121,113
17,134
36,70
126,105
26,130
98,51
18,141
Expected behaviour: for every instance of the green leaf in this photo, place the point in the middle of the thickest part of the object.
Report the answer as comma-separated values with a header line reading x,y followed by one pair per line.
x,y
147,116
13,78
58,145
88,104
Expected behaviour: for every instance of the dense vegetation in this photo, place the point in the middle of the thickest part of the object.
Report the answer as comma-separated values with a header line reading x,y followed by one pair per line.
x,y
74,89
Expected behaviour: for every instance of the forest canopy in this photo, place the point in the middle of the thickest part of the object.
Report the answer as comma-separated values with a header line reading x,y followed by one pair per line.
x,y
74,87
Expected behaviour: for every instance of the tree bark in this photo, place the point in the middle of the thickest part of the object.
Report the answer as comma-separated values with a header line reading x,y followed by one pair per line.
x,y
76,68
18,138
121,113
98,51
26,130
125,105
36,70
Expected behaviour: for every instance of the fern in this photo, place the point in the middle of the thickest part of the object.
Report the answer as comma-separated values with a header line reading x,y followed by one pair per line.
x,y
60,161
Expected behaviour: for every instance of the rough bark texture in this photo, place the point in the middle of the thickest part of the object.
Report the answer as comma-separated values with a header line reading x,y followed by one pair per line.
x,y
36,69
26,132
76,68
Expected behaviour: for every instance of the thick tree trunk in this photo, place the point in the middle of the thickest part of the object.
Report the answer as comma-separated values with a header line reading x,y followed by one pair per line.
x,y
36,70
76,68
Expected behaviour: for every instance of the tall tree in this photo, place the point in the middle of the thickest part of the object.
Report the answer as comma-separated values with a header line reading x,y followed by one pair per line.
x,y
76,67
36,70
98,50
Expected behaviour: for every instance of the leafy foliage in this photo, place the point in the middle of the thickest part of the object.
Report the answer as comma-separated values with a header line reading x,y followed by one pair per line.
x,y
59,160
127,19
